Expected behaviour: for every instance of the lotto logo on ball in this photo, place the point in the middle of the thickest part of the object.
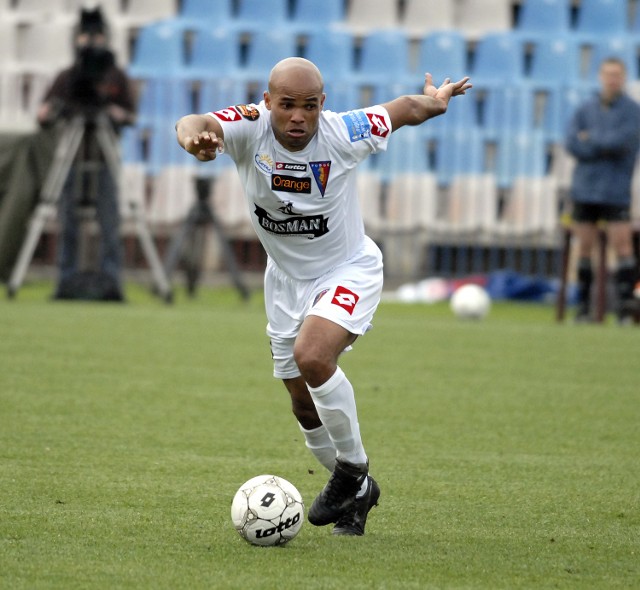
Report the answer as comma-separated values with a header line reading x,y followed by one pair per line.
x,y
267,510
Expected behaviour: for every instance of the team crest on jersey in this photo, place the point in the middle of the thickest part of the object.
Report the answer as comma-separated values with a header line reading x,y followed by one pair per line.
x,y
228,114
345,298
358,125
379,125
248,111
264,163
321,174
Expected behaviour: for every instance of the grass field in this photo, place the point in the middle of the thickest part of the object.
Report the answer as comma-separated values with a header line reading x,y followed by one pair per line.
x,y
507,450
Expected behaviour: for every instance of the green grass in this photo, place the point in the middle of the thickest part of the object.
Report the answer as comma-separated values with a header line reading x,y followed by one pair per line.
x,y
506,450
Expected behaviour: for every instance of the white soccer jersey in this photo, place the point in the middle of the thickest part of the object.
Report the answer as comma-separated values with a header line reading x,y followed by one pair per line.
x,y
304,205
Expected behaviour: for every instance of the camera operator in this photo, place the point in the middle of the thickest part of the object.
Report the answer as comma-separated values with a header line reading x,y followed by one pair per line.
x,y
92,87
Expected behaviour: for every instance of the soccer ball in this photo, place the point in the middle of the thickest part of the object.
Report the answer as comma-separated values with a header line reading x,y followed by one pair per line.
x,y
267,510
470,302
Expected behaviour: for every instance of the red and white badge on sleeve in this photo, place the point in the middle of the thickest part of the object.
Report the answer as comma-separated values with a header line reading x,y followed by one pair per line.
x,y
228,114
345,299
379,125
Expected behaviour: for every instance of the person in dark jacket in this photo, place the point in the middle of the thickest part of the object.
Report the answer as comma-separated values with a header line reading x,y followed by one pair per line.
x,y
91,87
604,137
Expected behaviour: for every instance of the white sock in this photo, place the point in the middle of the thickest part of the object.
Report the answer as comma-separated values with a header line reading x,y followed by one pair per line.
x,y
336,406
320,445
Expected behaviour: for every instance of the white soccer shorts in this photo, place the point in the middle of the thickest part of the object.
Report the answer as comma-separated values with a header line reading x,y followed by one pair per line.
x,y
348,296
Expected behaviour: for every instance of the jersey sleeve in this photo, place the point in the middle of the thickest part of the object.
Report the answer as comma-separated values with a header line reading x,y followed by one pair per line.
x,y
240,123
360,132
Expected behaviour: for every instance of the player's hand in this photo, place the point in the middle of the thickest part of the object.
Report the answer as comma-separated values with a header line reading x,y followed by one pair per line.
x,y
447,89
205,146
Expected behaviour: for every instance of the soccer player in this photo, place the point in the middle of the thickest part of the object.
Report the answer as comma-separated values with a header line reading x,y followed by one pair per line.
x,y
324,275
604,137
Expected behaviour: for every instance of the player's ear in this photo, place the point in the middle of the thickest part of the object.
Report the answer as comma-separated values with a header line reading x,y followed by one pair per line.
x,y
267,99
322,100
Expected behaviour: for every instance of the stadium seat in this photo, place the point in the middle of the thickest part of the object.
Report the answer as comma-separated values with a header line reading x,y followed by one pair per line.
x,y
544,18
508,110
333,52
308,17
520,154
142,12
460,151
159,52
602,18
498,59
476,19
408,157
33,11
215,52
444,55
265,49
424,16
554,61
531,209
254,16
462,114
364,16
206,13
342,95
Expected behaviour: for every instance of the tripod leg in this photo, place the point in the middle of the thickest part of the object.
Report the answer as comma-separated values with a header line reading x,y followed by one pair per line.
x,y
36,225
151,254
177,243
49,195
230,259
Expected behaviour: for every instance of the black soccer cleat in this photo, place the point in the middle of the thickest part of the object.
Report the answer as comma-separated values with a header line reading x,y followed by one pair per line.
x,y
339,495
354,520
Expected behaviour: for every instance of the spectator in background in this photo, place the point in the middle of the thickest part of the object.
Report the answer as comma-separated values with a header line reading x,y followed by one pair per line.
x,y
91,87
604,137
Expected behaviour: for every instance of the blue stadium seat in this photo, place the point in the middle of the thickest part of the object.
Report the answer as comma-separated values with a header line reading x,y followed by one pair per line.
x,y
384,57
260,15
342,95
409,156
520,154
159,52
333,53
266,48
309,17
544,18
213,13
507,111
554,60
460,152
462,114
214,52
602,17
162,101
498,59
444,55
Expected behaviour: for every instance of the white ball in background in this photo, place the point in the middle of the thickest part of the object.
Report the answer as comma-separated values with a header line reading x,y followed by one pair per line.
x,y
470,302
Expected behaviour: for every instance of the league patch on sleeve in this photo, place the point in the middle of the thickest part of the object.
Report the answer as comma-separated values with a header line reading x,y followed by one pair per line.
x,y
358,125
228,114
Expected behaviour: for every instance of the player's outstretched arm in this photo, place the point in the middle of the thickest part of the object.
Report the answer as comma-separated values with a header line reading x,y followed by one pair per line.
x,y
417,108
201,136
